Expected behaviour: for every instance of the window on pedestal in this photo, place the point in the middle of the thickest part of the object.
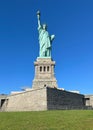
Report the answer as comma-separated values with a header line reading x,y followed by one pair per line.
x,y
44,68
47,68
40,68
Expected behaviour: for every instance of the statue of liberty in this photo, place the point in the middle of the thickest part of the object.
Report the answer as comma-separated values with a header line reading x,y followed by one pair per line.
x,y
45,40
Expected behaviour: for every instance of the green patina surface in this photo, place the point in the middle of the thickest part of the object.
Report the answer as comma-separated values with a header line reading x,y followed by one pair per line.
x,y
45,40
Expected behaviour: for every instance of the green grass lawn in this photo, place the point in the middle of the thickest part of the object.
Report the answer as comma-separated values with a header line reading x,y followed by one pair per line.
x,y
47,120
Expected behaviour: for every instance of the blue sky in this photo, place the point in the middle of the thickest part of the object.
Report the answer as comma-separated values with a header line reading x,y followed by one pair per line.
x,y
72,23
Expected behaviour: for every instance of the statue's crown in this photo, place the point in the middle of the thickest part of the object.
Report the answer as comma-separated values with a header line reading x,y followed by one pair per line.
x,y
45,24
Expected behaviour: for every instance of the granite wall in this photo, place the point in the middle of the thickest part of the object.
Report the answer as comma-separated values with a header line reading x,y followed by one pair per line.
x,y
89,100
60,99
2,99
44,99
33,100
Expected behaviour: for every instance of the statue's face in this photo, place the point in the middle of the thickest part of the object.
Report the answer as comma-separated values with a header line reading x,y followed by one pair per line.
x,y
44,26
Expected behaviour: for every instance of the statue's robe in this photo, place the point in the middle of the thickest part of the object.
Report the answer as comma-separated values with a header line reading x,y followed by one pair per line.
x,y
45,42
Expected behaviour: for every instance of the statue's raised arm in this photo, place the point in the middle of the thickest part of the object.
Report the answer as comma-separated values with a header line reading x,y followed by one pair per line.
x,y
38,17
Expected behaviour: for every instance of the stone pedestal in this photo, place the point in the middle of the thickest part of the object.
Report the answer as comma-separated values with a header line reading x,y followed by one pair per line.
x,y
44,73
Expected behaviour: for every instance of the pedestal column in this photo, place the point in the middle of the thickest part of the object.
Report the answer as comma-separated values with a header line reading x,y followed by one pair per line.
x,y
44,73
